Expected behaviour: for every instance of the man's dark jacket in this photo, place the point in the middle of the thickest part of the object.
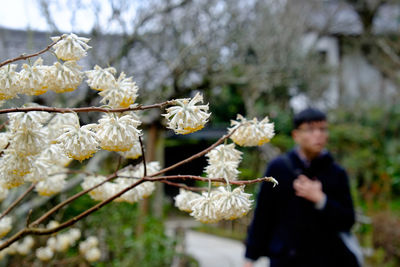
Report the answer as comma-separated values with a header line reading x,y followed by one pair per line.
x,y
290,229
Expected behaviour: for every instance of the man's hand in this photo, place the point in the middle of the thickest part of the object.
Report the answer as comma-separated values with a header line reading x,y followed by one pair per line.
x,y
248,263
308,189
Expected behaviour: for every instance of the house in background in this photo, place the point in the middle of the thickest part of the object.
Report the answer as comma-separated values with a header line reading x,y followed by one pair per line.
x,y
358,73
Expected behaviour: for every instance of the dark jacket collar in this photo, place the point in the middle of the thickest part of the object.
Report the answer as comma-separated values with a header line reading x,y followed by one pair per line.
x,y
314,166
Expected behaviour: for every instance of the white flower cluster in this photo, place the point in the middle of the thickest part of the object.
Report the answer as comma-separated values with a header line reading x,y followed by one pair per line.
x,y
71,47
59,243
89,249
186,117
79,142
5,225
133,153
251,132
118,132
36,139
37,79
216,205
128,177
3,192
100,79
30,155
223,162
120,93
21,248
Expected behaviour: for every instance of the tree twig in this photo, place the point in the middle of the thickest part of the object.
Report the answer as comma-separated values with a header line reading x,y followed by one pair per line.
x,y
28,218
86,109
186,187
23,56
195,156
69,200
206,179
17,201
143,156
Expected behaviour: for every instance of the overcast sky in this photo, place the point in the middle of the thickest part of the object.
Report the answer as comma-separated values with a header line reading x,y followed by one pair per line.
x,y
24,14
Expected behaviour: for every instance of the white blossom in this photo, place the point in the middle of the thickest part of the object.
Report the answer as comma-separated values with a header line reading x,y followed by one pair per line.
x,y
224,153
64,77
28,141
183,199
101,79
4,140
63,242
57,124
232,204
133,153
39,171
3,192
89,243
33,79
251,132
71,47
52,185
122,94
118,132
204,208
21,120
186,117
44,253
5,225
223,169
100,193
93,254
9,82
13,168
25,247
79,142
54,155
74,234
52,224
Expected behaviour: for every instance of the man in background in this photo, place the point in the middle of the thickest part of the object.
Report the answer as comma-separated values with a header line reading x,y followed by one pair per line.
x,y
298,223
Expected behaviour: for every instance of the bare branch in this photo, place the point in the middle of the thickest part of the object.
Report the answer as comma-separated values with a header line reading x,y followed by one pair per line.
x,y
143,157
69,200
180,185
86,109
17,201
206,179
195,156
23,56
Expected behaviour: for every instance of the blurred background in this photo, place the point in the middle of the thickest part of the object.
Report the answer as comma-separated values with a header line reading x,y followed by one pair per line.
x,y
257,58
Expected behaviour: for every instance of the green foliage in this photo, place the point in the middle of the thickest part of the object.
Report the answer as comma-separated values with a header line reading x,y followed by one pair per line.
x,y
367,144
116,227
117,224
225,103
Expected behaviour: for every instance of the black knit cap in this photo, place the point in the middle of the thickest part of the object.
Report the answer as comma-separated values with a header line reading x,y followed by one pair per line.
x,y
308,115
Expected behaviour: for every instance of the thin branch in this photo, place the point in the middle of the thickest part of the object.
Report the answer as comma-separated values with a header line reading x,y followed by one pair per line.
x,y
17,201
180,185
87,109
195,156
41,231
28,218
69,200
143,156
23,56
205,179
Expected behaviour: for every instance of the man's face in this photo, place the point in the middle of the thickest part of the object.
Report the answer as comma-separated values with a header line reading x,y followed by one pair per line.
x,y
311,136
